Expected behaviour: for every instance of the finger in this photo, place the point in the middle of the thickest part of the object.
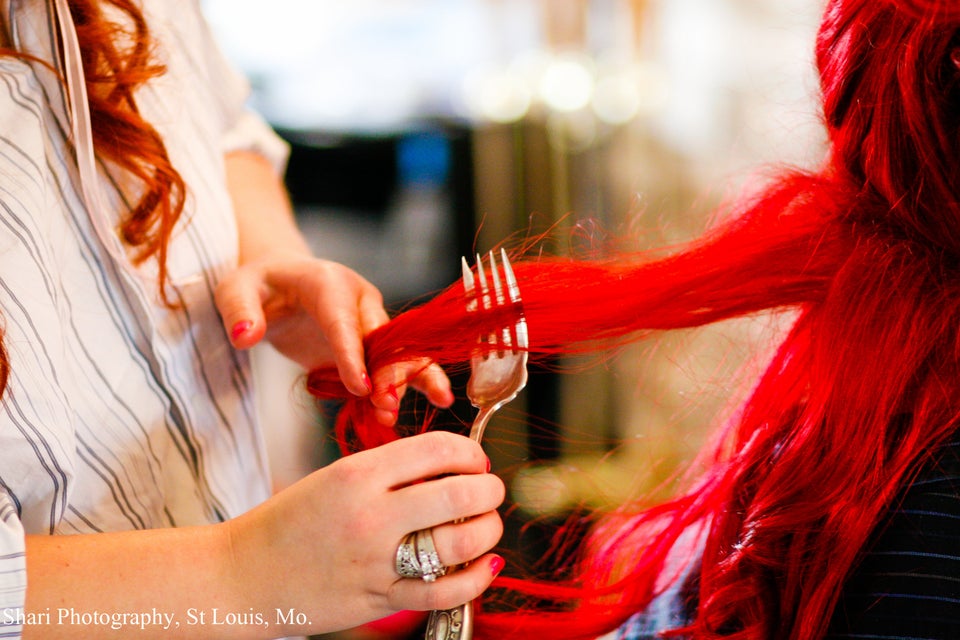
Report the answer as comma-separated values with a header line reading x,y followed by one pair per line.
x,y
370,308
465,541
389,383
386,418
423,456
346,343
336,308
447,592
445,500
241,310
434,383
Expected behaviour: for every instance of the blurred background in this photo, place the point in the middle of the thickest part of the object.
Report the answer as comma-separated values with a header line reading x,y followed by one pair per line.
x,y
423,130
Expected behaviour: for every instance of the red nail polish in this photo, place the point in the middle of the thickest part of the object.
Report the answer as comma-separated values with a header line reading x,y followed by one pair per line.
x,y
488,464
496,565
366,382
240,328
392,392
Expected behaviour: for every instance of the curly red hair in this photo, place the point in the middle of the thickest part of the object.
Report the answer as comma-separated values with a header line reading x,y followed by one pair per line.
x,y
121,135
113,74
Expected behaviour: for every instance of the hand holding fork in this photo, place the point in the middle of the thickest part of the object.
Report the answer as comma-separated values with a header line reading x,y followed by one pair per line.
x,y
498,371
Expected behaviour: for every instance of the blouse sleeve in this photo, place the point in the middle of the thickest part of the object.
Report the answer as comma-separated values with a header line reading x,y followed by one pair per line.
x,y
243,128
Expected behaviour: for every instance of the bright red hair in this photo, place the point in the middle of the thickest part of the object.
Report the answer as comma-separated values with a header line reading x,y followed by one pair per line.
x,y
859,394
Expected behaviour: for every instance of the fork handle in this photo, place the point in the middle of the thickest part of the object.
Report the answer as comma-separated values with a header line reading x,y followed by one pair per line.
x,y
480,422
457,623
451,624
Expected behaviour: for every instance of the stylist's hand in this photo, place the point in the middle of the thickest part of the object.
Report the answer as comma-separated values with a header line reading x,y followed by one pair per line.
x,y
327,545
317,312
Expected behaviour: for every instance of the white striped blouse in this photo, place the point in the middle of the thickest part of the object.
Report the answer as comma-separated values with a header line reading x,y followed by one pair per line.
x,y
120,413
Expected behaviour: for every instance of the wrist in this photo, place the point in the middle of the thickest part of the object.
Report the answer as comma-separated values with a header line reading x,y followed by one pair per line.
x,y
254,579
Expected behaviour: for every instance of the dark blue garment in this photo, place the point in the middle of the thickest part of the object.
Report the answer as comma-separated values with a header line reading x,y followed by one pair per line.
x,y
908,584
905,587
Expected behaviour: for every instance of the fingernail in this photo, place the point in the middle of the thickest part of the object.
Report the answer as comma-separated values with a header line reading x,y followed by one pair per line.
x,y
488,464
240,328
366,382
392,392
496,565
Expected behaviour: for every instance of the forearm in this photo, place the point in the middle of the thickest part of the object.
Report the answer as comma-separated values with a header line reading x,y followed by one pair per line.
x,y
265,219
85,585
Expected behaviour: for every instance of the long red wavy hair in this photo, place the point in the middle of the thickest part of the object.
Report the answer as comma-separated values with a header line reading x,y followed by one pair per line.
x,y
121,135
113,74
861,391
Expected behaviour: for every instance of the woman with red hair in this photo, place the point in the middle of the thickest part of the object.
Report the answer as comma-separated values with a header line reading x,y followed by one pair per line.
x,y
145,243
829,506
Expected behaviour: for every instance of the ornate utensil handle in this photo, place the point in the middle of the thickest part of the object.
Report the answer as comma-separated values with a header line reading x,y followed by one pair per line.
x,y
451,624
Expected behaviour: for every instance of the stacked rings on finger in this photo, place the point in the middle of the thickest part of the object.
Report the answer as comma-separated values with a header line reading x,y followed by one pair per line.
x,y
427,553
408,563
417,557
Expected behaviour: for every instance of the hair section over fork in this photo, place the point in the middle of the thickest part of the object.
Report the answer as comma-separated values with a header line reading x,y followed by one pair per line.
x,y
498,369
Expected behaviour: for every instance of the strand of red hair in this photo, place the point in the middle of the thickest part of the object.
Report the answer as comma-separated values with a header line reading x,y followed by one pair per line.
x,y
118,58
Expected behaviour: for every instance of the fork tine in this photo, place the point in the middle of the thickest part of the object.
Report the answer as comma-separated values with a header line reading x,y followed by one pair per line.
x,y
513,289
497,287
490,293
482,281
484,299
469,286
504,336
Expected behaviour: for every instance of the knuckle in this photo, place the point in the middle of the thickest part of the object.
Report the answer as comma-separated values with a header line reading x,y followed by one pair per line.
x,y
349,471
373,294
396,597
440,445
476,537
466,545
460,498
338,325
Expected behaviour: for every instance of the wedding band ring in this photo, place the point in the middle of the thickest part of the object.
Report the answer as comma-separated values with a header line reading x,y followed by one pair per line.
x,y
417,557
408,563
427,555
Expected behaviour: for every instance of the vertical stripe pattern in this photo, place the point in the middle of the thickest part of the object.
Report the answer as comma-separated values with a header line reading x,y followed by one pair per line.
x,y
120,413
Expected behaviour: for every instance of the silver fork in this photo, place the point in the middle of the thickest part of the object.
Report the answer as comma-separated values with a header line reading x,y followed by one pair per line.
x,y
498,371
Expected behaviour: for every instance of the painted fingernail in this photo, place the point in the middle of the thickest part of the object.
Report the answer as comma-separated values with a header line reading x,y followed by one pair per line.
x,y
366,382
240,328
496,565
489,466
